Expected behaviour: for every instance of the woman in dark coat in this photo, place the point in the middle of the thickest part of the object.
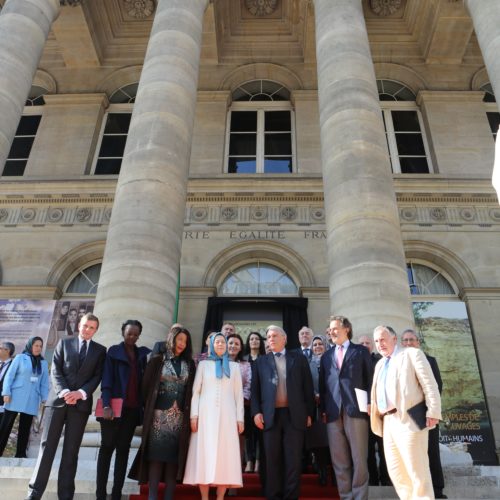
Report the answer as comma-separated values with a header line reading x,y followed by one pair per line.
x,y
167,388
122,377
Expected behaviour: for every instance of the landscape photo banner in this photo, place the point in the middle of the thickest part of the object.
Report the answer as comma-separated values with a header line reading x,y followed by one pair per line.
x,y
445,333
21,319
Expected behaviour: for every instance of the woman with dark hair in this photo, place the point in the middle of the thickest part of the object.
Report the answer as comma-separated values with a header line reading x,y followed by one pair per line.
x,y
255,346
216,420
25,386
121,379
167,387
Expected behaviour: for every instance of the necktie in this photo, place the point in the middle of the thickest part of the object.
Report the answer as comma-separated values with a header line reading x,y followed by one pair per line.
x,y
1,365
340,356
381,395
307,352
83,352
278,354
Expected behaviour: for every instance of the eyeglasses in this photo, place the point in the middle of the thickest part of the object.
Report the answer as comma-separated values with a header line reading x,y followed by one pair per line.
x,y
408,341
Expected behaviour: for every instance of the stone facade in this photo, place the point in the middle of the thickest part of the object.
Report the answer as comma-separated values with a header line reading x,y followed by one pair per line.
x,y
54,219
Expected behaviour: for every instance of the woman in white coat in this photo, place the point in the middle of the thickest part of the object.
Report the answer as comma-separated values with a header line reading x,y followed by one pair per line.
x,y
217,417
25,386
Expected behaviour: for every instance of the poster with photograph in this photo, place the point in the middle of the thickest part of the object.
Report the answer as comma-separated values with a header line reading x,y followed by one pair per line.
x,y
21,319
445,333
67,315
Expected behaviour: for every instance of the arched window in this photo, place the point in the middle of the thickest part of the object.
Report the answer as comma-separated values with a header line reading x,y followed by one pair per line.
x,y
86,281
258,278
114,131
25,134
260,130
406,141
424,280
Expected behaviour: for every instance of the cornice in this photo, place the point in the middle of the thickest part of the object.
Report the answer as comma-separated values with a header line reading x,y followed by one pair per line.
x,y
29,292
486,293
424,202
76,99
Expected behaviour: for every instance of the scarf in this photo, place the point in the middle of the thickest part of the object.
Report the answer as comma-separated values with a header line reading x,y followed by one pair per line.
x,y
36,361
221,362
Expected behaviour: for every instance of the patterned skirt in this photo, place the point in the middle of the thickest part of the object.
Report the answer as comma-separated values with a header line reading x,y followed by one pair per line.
x,y
163,444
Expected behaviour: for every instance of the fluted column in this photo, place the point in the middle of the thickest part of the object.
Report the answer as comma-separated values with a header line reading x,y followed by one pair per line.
x,y
367,274
24,27
486,19
143,249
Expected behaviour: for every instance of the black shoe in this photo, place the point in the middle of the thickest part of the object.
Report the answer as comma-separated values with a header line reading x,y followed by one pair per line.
x,y
322,476
439,494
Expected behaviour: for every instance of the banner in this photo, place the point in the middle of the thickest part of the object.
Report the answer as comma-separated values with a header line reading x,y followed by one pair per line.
x,y
21,319
445,333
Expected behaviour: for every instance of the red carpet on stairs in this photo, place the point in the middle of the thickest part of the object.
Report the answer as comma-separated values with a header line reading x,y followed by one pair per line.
x,y
310,490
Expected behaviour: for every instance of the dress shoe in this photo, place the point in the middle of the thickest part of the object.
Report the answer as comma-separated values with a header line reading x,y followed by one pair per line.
x,y
440,495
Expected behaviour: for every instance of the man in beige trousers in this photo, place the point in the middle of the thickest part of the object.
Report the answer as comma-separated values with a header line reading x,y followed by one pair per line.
x,y
403,378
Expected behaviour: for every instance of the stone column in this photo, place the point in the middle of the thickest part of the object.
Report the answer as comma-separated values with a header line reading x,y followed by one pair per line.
x,y
24,27
143,249
367,271
486,18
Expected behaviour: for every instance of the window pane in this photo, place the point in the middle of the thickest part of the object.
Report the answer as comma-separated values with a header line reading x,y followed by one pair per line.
x,y
108,167
414,165
494,121
28,125
277,165
243,144
277,121
405,121
244,121
112,146
117,123
21,147
14,167
410,145
278,144
242,166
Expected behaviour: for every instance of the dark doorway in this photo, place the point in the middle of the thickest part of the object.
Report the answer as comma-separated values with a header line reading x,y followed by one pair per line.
x,y
290,312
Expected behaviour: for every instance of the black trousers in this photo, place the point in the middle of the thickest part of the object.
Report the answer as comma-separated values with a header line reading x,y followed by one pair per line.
x,y
55,419
116,435
7,422
283,447
378,473
435,461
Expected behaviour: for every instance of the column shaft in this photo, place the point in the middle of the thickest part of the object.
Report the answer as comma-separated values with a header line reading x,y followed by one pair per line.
x,y
486,18
367,275
143,249
24,27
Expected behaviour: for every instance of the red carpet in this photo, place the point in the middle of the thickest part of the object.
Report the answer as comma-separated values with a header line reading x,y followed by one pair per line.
x,y
310,490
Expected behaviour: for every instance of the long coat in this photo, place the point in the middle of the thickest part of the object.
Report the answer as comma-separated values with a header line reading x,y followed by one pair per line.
x,y
150,387
25,395
214,451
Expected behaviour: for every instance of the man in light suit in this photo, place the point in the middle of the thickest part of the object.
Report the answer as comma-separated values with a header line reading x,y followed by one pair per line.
x,y
346,367
282,405
76,372
409,338
403,378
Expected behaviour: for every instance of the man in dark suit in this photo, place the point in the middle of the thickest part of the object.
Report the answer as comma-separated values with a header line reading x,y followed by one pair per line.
x,y
344,368
282,405
376,470
409,338
306,339
76,372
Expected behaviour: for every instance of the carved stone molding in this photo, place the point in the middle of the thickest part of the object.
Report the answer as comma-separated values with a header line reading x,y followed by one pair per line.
x,y
260,8
385,7
139,9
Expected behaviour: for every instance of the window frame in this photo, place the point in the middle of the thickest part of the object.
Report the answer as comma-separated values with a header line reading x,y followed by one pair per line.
x,y
439,272
74,275
29,110
261,107
124,108
387,107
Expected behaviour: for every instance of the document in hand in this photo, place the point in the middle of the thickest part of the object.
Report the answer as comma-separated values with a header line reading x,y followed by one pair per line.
x,y
362,397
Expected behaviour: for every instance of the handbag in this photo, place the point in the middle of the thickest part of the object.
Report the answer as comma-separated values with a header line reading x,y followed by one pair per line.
x,y
116,406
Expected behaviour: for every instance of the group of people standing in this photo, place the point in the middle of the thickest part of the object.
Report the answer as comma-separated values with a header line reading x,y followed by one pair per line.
x,y
195,410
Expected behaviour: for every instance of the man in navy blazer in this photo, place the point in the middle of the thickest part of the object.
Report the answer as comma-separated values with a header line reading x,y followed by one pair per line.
x,y
76,372
282,405
343,369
